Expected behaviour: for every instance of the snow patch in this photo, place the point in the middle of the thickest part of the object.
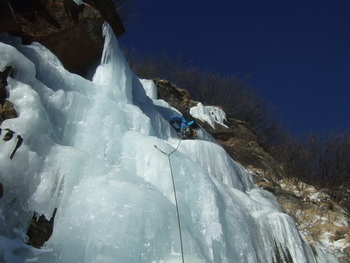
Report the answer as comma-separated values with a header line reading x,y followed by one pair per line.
x,y
210,114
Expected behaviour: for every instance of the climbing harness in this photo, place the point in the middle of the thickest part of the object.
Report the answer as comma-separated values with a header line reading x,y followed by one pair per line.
x,y
176,204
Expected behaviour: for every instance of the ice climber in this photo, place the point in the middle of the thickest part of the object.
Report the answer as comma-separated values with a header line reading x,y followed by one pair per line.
x,y
183,126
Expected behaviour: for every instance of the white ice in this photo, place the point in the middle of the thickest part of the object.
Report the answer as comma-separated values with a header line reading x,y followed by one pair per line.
x,y
102,152
210,114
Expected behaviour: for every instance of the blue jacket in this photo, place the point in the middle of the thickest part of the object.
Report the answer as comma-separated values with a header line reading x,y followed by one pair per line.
x,y
180,121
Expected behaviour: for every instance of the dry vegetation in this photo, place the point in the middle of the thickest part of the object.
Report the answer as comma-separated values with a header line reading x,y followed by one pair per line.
x,y
317,216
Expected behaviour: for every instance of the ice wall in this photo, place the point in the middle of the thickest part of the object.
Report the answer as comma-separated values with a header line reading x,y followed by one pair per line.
x,y
89,151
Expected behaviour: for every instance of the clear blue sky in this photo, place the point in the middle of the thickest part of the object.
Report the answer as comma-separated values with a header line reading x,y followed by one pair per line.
x,y
297,53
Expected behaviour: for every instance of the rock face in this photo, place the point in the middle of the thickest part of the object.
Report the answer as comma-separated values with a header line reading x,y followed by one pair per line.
x,y
40,230
6,109
176,97
72,32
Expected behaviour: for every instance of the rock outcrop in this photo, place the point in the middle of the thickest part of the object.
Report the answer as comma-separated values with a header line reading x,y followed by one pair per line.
x,y
6,108
72,32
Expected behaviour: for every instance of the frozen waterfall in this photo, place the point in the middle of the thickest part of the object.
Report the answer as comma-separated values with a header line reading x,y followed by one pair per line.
x,y
89,150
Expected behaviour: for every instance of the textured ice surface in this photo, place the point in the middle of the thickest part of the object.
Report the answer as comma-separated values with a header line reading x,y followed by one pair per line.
x,y
89,151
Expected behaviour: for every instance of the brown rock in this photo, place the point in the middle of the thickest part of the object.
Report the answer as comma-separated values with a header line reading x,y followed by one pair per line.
x,y
268,186
72,32
3,83
40,230
176,97
7,111
347,251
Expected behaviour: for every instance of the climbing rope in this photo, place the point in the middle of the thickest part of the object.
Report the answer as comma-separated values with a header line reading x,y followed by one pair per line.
x,y
175,196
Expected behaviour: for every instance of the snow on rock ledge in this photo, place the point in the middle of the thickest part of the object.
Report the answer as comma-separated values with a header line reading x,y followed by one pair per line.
x,y
209,114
